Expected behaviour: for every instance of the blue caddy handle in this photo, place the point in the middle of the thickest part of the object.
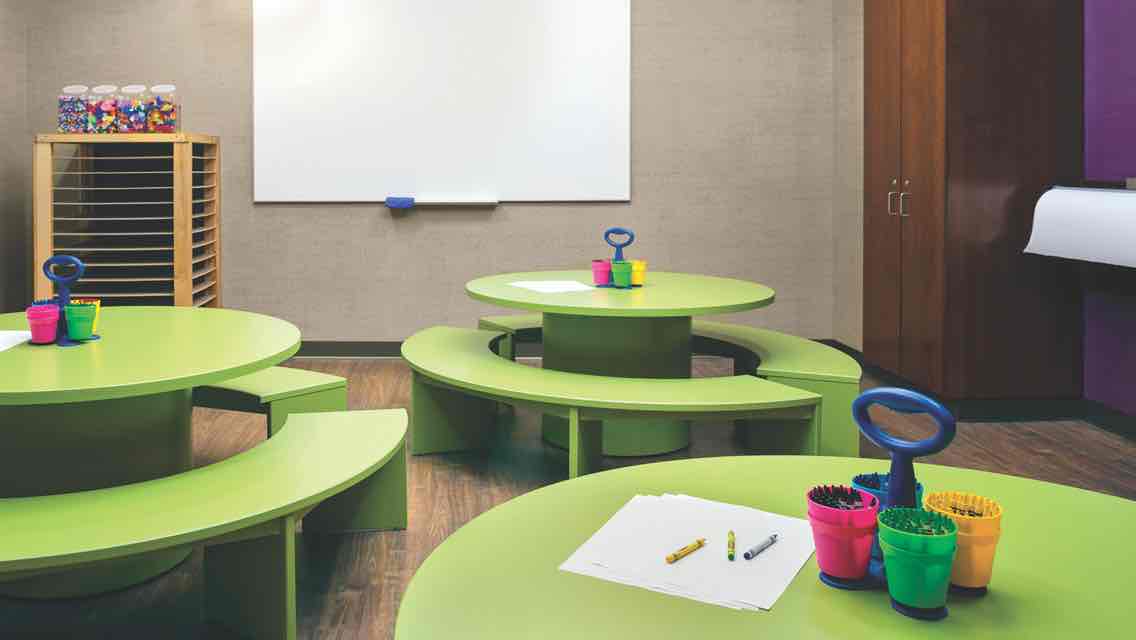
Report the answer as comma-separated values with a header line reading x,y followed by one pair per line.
x,y
901,485
63,285
619,231
64,282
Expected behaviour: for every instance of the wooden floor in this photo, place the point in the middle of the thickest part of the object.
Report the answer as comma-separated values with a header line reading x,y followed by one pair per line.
x,y
352,584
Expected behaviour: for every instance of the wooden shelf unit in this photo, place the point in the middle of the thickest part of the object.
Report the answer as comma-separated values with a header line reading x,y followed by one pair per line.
x,y
142,211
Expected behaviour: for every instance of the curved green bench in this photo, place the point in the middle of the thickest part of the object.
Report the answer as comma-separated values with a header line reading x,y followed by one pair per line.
x,y
787,359
243,509
458,380
796,362
276,392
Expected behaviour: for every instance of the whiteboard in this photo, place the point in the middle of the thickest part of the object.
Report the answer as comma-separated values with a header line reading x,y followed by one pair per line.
x,y
448,100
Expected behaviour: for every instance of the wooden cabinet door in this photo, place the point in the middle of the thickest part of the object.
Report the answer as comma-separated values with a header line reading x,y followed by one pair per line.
x,y
923,149
882,123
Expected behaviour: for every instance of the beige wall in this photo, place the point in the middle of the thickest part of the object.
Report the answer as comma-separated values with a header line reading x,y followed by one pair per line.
x,y
848,196
15,157
736,166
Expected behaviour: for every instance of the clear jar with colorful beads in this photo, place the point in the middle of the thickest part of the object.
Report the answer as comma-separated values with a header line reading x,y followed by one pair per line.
x,y
102,109
163,110
73,109
132,107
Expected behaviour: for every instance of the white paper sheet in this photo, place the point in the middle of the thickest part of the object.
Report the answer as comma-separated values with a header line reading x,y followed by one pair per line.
x,y
9,339
630,549
551,286
1095,225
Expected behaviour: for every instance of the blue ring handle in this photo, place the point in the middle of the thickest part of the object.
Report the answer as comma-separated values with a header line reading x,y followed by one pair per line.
x,y
62,261
619,231
901,483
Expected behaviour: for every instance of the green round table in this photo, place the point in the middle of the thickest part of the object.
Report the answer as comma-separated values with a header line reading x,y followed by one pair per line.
x,y
118,410
1062,567
643,332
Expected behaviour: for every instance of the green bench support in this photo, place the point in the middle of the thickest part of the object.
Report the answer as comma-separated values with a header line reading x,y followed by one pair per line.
x,y
795,362
243,510
458,381
780,357
276,392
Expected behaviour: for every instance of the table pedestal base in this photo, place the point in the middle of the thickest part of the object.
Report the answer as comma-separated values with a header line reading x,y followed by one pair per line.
x,y
626,348
79,446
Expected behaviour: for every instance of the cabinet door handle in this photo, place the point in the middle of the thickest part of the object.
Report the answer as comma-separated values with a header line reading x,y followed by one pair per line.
x,y
903,210
891,194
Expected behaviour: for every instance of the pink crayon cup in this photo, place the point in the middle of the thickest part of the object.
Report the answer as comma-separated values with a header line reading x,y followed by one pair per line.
x,y
844,537
601,272
43,320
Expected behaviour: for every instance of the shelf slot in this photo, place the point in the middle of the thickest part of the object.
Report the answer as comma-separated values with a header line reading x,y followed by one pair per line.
x,y
66,157
94,249
204,300
107,204
169,188
115,219
114,233
113,173
100,279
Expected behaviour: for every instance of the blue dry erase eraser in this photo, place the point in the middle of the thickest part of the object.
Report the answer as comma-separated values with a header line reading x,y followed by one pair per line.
x,y
400,203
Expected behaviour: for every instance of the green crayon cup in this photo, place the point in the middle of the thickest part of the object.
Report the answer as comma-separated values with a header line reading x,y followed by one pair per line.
x,y
80,320
919,550
621,274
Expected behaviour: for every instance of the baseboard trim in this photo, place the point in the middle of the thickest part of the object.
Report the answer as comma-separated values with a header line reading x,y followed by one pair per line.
x,y
349,349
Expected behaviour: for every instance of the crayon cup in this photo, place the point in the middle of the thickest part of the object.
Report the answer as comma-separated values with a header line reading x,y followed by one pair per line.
x,y
621,273
844,537
601,272
43,320
979,523
638,272
98,310
80,321
919,549
877,485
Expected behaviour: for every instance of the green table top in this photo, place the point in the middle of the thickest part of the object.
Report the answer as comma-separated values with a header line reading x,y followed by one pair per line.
x,y
1062,567
144,350
663,295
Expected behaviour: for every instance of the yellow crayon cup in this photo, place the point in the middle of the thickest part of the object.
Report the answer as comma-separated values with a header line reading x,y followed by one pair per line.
x,y
638,272
979,522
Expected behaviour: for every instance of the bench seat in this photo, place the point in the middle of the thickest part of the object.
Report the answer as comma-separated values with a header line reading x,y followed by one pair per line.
x,y
276,392
796,362
781,357
243,509
457,380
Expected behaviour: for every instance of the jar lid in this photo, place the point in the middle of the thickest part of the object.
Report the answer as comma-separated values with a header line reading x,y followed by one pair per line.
x,y
105,88
73,89
134,88
163,88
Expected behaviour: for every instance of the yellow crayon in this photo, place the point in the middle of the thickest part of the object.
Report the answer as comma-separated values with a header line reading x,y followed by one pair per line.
x,y
730,542
685,551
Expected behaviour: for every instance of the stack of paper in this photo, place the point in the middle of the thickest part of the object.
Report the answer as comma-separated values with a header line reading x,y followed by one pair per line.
x,y
551,286
632,546
9,339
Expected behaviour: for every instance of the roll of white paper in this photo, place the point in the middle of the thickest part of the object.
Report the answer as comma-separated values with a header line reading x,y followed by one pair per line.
x,y
1095,225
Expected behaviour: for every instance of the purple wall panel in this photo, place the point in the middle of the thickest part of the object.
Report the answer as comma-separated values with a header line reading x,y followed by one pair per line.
x,y
1110,154
1110,89
1110,350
